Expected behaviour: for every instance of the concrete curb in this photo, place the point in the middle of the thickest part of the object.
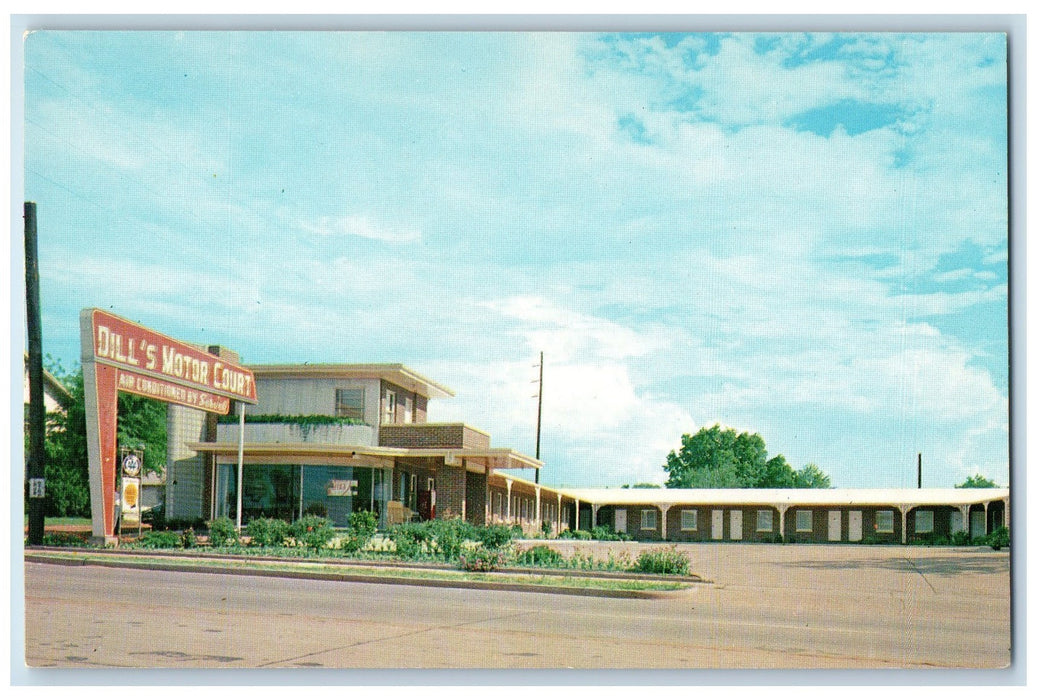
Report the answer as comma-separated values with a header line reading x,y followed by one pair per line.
x,y
66,558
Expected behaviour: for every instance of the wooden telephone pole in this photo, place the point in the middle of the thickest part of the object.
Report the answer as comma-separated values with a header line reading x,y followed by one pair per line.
x,y
540,410
36,468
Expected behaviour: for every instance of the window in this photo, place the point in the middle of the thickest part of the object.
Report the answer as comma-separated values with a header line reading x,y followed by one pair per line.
x,y
884,521
408,410
390,407
804,521
764,520
648,519
689,520
349,403
923,521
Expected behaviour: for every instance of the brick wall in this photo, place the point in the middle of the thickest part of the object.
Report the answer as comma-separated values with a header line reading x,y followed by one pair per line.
x,y
432,435
450,492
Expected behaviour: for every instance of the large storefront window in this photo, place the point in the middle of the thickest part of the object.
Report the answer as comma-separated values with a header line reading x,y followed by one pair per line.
x,y
287,492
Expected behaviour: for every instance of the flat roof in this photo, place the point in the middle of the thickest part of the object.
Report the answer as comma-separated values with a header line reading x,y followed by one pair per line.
x,y
398,374
492,457
819,497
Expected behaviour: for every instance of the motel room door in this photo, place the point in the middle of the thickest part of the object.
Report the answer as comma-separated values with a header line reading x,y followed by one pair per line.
x,y
718,524
856,526
835,525
736,524
620,524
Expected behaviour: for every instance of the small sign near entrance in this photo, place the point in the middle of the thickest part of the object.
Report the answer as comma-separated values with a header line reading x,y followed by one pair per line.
x,y
342,487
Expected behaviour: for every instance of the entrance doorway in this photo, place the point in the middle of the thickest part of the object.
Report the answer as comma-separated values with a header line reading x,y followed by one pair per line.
x,y
835,525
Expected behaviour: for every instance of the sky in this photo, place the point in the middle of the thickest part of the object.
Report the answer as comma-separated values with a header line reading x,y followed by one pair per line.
x,y
797,235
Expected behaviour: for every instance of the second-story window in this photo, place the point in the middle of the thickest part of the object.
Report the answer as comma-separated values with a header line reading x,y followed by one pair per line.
x,y
349,403
390,407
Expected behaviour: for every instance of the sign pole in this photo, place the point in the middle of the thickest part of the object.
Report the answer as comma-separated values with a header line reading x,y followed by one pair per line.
x,y
37,412
241,459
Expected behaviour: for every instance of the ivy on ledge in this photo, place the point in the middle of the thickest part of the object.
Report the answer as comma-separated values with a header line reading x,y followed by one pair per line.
x,y
305,421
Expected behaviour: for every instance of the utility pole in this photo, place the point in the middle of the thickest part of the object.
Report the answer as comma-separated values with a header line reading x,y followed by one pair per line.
x,y
540,409
37,413
919,470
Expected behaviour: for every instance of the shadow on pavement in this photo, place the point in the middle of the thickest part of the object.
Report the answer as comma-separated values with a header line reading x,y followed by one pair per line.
x,y
947,566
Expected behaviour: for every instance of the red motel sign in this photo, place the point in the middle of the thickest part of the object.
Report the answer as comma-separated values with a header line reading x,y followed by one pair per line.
x,y
120,355
154,365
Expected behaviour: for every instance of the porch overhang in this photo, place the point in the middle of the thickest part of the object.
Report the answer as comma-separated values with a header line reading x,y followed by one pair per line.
x,y
280,453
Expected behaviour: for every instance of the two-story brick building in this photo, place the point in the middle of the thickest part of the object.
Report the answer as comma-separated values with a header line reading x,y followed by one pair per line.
x,y
375,450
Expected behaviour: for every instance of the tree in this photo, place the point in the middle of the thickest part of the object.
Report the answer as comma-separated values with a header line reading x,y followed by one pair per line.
x,y
977,481
811,477
722,458
141,422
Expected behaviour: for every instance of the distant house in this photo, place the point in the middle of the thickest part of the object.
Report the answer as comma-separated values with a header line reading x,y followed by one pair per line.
x,y
55,396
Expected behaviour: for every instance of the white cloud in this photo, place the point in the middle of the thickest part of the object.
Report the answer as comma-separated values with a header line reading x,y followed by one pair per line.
x,y
363,226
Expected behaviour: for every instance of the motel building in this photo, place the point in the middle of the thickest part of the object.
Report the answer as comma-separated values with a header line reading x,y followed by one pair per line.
x,y
331,439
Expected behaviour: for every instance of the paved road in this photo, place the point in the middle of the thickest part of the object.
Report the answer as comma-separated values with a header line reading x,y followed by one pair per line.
x,y
767,607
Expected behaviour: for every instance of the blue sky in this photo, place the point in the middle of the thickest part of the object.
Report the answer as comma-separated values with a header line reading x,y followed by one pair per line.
x,y
801,235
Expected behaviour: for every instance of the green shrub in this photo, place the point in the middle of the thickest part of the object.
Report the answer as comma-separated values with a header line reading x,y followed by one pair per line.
x,y
411,540
960,538
63,539
222,532
662,561
541,555
313,531
574,535
188,538
481,558
364,523
494,536
362,526
162,539
449,537
267,532
998,538
607,534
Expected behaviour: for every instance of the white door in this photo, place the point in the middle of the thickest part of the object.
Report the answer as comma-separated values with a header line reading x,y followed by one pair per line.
x,y
856,526
736,524
835,525
718,524
621,520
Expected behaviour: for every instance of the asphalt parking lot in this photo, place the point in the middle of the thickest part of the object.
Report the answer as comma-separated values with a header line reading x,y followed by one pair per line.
x,y
764,606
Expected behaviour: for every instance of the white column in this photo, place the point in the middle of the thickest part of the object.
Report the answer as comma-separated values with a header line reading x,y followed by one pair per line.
x,y
594,516
662,518
558,515
781,519
903,523
507,504
538,519
576,520
241,460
